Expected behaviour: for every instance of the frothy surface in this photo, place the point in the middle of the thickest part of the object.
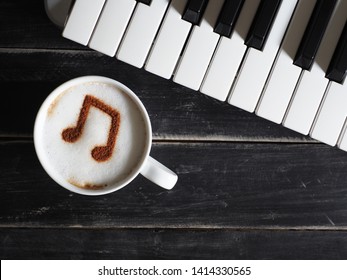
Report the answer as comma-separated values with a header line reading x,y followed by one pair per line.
x,y
74,161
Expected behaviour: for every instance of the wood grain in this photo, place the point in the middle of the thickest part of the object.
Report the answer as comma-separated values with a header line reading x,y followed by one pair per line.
x,y
171,244
221,185
247,189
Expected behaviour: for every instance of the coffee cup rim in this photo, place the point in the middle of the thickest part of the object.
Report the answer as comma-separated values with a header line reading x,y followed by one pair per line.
x,y
41,153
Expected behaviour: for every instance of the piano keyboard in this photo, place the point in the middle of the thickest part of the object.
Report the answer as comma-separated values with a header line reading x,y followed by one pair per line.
x,y
285,60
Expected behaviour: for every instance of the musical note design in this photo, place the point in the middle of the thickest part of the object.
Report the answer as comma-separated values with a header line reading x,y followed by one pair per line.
x,y
72,134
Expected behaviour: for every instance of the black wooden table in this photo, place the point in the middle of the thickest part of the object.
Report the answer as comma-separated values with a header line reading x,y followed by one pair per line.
x,y
247,189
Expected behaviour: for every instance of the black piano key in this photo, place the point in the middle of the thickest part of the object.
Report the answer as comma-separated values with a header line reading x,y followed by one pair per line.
x,y
194,11
314,32
147,2
228,17
337,69
262,24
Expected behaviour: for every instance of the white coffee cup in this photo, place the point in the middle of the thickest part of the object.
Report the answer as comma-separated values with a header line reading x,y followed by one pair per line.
x,y
101,112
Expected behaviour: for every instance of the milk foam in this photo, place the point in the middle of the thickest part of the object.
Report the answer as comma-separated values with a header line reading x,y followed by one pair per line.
x,y
73,161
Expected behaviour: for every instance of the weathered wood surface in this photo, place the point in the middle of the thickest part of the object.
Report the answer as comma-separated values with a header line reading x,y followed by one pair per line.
x,y
170,244
220,186
247,188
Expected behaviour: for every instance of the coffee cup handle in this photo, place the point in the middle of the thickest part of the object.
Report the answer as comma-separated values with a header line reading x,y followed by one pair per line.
x,y
159,174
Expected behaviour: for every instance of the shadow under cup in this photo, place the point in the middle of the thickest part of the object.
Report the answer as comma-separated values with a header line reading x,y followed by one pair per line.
x,y
92,135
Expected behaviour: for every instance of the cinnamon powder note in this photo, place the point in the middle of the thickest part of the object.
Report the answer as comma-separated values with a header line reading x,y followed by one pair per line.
x,y
72,134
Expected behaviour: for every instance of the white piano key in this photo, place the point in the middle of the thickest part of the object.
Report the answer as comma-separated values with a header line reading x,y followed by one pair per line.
x,y
332,114
311,87
199,50
141,31
169,42
306,100
82,20
342,144
251,79
228,56
284,74
111,25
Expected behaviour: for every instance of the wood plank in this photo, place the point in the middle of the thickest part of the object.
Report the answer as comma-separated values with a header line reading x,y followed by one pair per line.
x,y
221,185
248,200
177,113
24,24
170,244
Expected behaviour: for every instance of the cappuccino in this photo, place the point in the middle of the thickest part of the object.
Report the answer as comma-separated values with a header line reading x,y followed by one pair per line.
x,y
93,135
